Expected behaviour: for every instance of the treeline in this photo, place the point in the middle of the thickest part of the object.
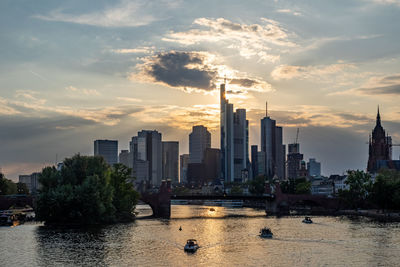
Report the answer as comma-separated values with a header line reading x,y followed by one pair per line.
x,y
363,192
86,191
8,187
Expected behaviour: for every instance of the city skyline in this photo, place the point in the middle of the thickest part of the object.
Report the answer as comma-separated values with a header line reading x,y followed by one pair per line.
x,y
127,69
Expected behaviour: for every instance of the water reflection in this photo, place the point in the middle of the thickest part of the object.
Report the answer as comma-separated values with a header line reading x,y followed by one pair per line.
x,y
228,237
82,246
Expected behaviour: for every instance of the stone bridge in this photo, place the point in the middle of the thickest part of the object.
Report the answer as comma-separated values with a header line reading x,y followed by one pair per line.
x,y
282,203
276,201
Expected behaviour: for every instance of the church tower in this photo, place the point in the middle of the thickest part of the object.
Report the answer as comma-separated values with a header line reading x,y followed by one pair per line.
x,y
380,146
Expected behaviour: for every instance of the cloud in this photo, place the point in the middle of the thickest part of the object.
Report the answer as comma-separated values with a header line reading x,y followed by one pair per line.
x,y
138,50
82,91
386,85
249,39
193,72
289,11
125,14
387,2
287,72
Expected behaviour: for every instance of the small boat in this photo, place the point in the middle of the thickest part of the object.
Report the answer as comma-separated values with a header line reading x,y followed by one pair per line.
x,y
307,220
266,233
8,218
212,209
191,245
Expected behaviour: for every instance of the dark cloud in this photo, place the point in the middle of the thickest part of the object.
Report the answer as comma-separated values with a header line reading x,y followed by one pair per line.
x,y
181,69
244,82
382,90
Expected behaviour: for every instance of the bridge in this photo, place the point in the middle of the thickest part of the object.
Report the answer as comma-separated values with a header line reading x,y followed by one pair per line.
x,y
17,201
276,201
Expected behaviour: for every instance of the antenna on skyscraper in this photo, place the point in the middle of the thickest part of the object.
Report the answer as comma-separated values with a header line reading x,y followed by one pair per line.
x,y
266,108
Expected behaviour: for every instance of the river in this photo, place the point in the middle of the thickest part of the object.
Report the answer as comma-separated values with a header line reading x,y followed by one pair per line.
x,y
227,236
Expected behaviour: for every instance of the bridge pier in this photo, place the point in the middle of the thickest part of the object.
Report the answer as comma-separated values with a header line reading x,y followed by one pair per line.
x,y
160,202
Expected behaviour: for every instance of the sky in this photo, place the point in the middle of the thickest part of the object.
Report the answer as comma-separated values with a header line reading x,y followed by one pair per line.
x,y
72,72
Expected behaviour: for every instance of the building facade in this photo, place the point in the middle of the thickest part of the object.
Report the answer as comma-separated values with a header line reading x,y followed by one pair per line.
x,y
294,159
380,147
31,181
314,167
108,149
272,146
254,161
147,157
234,140
170,160
199,141
183,165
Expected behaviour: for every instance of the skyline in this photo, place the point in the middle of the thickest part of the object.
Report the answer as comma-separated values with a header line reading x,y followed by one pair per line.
x,y
73,73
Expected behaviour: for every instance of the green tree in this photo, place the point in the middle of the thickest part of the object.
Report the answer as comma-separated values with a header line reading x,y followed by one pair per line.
x,y
7,187
86,191
359,184
385,192
125,196
302,186
236,190
257,185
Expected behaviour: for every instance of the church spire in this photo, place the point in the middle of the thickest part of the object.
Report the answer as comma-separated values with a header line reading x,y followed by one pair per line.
x,y
378,118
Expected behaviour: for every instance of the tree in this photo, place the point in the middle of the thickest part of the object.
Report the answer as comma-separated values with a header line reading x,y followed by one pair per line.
x,y
296,186
86,191
257,185
385,192
7,187
359,184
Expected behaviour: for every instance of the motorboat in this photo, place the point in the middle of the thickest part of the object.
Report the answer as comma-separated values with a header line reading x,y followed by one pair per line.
x,y
8,218
307,220
266,233
212,209
191,245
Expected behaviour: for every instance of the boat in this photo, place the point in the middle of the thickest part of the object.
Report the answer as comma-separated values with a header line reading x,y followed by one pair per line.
x,y
307,220
266,233
212,209
191,245
8,218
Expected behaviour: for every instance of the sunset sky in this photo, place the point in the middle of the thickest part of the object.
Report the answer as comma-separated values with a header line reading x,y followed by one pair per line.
x,y
76,71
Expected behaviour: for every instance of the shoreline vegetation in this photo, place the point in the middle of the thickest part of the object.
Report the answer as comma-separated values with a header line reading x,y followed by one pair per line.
x,y
86,191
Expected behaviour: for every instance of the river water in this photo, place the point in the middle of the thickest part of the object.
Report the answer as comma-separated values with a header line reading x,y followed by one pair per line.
x,y
227,236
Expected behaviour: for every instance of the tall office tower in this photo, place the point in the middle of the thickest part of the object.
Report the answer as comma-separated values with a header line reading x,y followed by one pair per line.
x,y
271,145
199,141
183,165
254,161
123,158
108,149
380,148
170,160
241,144
294,159
148,165
314,168
227,136
212,164
32,182
261,162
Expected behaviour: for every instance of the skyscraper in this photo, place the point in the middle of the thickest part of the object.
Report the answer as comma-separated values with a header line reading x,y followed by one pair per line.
x,y
199,141
124,158
314,168
294,159
108,149
271,145
226,125
147,157
380,147
234,140
183,165
254,161
170,157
